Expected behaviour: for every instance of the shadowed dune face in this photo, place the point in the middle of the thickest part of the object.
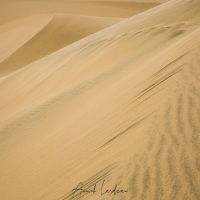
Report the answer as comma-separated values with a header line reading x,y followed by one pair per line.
x,y
120,105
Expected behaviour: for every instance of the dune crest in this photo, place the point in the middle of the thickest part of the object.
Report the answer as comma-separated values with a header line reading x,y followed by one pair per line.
x,y
61,31
11,33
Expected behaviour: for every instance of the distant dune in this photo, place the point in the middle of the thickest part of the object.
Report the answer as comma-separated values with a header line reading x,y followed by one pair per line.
x,y
91,99
12,9
11,33
58,32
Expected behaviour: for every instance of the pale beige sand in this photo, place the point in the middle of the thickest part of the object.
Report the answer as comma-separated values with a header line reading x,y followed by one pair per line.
x,y
120,105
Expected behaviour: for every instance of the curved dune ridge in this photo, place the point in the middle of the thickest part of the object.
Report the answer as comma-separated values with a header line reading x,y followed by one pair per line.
x,y
11,33
61,31
118,105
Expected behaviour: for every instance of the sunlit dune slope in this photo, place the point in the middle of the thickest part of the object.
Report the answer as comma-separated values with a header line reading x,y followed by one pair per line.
x,y
120,105
59,32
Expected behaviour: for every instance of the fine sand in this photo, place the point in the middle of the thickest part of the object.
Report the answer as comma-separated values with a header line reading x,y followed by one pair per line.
x,y
100,92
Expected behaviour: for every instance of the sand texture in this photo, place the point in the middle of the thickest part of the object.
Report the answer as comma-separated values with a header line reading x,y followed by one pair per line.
x,y
102,93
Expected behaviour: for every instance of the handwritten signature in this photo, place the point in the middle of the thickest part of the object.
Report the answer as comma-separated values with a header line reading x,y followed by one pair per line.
x,y
80,190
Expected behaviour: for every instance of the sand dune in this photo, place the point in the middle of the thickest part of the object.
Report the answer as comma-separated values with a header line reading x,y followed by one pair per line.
x,y
61,31
13,9
119,105
11,33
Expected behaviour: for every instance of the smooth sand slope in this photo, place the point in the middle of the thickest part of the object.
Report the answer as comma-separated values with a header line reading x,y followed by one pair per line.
x,y
121,105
